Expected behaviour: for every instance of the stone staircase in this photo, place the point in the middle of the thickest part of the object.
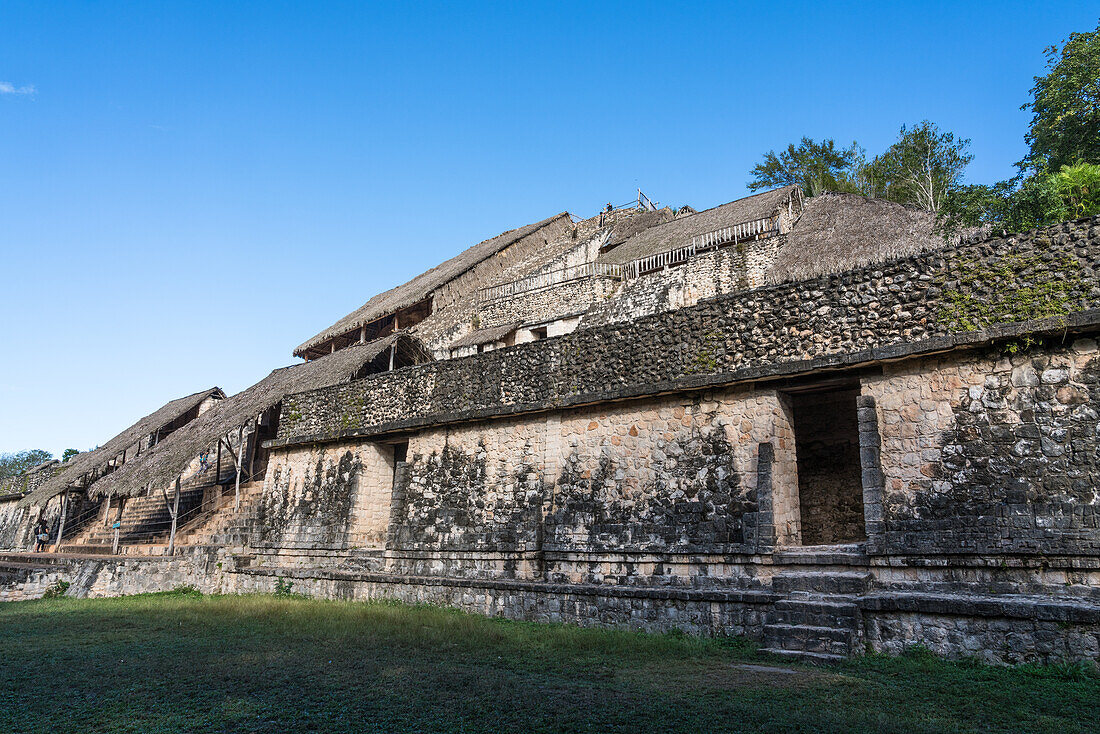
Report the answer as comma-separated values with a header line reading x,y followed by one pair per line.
x,y
820,618
145,521
225,525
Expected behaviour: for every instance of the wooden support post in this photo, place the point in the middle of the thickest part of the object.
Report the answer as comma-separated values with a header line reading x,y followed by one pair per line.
x,y
218,467
61,527
107,512
254,447
174,511
238,458
393,354
362,334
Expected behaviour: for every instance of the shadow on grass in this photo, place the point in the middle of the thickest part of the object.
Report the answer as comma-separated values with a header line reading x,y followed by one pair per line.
x,y
181,661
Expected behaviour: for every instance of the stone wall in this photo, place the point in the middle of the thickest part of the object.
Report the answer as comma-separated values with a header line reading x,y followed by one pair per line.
x,y
676,475
951,461
881,312
728,270
994,452
546,304
332,497
14,526
996,631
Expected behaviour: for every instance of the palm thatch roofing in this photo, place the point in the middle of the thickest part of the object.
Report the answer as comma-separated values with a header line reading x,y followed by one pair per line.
x,y
168,459
678,231
90,464
485,336
839,232
422,286
626,228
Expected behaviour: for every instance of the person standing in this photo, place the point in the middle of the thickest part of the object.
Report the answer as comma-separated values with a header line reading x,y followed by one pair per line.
x,y
41,535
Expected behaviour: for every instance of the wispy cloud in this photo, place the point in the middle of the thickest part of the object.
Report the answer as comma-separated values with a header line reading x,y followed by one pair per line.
x,y
9,88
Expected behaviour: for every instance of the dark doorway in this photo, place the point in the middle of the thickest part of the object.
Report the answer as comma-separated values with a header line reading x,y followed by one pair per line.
x,y
830,487
400,462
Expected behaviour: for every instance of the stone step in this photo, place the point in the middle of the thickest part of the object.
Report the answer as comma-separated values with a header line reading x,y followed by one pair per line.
x,y
823,583
809,638
99,549
816,612
815,658
38,559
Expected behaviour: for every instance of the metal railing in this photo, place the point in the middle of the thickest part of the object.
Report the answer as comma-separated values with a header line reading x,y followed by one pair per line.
x,y
701,243
553,277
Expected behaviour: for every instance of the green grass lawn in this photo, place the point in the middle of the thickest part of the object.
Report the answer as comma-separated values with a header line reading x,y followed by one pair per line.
x,y
185,662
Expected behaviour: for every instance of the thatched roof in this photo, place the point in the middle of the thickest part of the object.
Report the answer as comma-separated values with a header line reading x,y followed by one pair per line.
x,y
679,231
169,458
626,228
840,232
423,285
484,336
96,460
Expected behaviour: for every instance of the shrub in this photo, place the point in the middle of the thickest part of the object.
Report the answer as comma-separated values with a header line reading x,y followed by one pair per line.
x,y
56,589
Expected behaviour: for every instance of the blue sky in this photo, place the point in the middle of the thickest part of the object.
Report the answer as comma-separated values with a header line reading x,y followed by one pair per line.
x,y
189,190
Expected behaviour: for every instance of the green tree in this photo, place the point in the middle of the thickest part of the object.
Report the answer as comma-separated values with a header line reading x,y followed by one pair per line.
x,y
1065,106
69,453
1025,202
16,463
1079,188
816,167
921,168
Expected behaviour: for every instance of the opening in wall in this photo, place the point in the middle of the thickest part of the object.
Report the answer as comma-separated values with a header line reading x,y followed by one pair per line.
x,y
830,486
400,460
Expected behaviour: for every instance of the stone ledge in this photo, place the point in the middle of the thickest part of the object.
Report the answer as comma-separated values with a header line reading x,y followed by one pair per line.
x,y
745,596
1013,607
1077,323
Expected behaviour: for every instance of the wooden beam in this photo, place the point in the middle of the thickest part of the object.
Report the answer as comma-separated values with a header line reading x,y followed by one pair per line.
x,y
252,448
174,510
237,462
61,527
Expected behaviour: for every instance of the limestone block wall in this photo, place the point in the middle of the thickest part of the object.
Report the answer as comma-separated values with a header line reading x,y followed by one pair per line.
x,y
333,497
876,314
994,452
674,475
546,304
707,275
15,526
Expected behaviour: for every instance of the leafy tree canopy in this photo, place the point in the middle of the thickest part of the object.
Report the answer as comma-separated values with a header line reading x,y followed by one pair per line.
x,y
920,168
1024,203
17,463
69,453
1065,123
816,167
